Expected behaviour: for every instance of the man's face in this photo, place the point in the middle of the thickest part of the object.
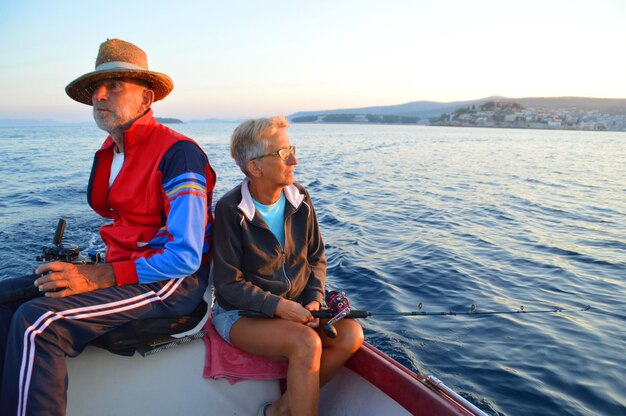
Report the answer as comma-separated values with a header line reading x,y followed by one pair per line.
x,y
117,102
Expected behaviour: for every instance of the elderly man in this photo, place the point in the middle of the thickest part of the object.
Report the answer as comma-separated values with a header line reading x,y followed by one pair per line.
x,y
156,187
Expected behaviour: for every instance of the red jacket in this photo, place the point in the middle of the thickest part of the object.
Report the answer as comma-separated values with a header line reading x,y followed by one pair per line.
x,y
146,242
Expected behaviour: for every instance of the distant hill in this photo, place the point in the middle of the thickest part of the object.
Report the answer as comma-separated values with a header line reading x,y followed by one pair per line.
x,y
215,120
602,105
429,109
424,109
168,120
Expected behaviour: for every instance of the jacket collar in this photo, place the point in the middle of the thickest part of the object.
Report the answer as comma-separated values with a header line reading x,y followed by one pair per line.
x,y
246,206
136,133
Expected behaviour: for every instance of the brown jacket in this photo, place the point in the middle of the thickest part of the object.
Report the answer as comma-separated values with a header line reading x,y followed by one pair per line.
x,y
251,270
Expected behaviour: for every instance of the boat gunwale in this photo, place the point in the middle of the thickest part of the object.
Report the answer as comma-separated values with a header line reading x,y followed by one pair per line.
x,y
410,390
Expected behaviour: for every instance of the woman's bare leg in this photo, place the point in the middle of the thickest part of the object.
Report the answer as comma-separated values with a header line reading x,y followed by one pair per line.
x,y
300,345
336,351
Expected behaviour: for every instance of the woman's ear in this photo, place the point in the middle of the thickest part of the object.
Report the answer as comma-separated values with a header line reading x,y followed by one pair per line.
x,y
254,168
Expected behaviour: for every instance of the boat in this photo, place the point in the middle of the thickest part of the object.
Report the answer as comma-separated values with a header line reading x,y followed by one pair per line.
x,y
167,378
171,382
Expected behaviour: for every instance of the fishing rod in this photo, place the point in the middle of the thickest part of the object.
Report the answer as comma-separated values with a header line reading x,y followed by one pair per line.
x,y
472,311
339,308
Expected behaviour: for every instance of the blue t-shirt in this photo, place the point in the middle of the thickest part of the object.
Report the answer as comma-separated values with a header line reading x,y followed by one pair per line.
x,y
274,216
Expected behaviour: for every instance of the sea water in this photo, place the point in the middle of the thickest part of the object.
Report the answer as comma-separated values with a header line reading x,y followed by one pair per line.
x,y
443,217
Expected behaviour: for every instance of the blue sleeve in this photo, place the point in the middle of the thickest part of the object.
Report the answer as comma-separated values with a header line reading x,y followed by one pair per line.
x,y
183,172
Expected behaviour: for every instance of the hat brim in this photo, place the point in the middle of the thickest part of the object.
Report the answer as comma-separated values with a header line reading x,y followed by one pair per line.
x,y
80,90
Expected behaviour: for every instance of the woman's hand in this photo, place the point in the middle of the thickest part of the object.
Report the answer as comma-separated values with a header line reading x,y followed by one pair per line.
x,y
293,311
313,306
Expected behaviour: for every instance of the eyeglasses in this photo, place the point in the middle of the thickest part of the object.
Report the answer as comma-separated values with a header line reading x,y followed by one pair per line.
x,y
281,153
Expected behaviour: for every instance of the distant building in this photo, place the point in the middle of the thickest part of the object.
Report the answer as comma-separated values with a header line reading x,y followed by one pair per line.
x,y
554,122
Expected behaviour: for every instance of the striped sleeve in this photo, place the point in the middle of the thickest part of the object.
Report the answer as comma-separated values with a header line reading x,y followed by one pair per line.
x,y
182,239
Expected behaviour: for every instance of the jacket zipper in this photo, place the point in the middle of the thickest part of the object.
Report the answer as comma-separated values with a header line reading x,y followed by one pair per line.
x,y
282,255
116,176
285,272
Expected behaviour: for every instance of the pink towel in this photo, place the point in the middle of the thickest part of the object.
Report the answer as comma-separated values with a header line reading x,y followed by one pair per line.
x,y
226,361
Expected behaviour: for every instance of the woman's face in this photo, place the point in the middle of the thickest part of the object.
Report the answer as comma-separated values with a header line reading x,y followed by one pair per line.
x,y
277,173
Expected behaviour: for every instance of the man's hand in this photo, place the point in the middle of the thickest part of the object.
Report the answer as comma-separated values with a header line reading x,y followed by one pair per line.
x,y
293,311
66,279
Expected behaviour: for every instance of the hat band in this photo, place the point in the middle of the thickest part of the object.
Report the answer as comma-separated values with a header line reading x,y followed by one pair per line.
x,y
118,65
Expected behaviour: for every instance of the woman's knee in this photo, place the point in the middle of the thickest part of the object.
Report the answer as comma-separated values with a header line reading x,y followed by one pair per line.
x,y
350,336
305,344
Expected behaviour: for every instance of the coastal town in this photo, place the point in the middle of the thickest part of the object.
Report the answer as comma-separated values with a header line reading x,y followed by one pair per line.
x,y
498,114
513,115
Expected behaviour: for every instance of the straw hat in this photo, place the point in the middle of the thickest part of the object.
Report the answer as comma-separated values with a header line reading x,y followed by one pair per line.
x,y
118,58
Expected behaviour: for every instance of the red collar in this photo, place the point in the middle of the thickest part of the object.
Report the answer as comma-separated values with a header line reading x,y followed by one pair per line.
x,y
136,133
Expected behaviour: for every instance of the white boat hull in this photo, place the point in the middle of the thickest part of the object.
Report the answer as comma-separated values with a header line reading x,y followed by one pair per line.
x,y
171,383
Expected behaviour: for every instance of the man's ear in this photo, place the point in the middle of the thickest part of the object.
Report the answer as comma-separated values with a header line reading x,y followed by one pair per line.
x,y
147,98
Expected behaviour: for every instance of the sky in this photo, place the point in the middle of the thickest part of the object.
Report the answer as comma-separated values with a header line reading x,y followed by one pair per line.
x,y
234,59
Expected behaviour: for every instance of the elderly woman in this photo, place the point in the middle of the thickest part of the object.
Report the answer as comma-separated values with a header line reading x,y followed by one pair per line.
x,y
269,257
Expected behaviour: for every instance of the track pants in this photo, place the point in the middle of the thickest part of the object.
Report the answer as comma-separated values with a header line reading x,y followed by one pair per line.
x,y
37,335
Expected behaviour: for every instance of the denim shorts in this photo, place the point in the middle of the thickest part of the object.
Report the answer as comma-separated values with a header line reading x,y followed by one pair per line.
x,y
224,320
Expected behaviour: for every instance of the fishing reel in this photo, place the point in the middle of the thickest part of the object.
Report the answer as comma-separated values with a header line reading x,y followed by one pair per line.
x,y
57,251
339,307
